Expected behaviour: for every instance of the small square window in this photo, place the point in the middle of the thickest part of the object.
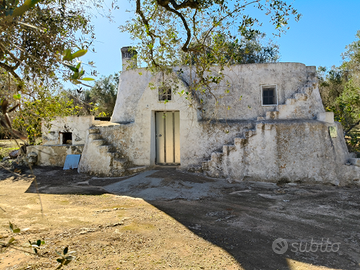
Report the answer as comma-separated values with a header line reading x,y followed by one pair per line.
x,y
66,138
269,95
164,94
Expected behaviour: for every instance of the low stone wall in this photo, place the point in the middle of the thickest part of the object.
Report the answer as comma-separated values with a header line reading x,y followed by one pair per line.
x,y
54,155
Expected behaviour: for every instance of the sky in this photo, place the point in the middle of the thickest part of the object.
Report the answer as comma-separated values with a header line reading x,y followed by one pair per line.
x,y
318,39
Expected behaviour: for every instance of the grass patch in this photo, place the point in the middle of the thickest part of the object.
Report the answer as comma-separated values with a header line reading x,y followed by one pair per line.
x,y
6,146
4,151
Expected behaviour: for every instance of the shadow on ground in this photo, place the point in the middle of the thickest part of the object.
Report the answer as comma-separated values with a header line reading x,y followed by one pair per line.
x,y
319,224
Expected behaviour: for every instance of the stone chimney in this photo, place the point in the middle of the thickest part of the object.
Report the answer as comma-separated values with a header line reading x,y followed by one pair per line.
x,y
129,58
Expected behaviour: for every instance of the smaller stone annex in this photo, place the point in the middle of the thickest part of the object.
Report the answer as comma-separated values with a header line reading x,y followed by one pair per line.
x,y
269,124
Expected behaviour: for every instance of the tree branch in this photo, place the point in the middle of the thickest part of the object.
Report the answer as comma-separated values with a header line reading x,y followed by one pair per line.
x,y
229,14
351,127
147,27
11,70
188,31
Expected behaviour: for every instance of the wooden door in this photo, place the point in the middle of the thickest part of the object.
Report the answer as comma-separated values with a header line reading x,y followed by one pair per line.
x,y
167,137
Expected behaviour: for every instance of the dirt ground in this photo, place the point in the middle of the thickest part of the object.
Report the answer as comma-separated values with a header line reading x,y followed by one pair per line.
x,y
167,219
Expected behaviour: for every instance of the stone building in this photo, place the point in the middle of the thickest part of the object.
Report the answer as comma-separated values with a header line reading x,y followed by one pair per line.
x,y
269,124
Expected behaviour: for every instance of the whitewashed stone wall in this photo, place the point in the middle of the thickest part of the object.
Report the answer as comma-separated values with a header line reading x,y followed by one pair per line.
x,y
138,100
77,125
289,151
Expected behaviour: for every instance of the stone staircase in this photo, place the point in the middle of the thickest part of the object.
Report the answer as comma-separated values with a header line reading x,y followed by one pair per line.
x,y
242,153
213,167
101,158
117,164
234,158
295,107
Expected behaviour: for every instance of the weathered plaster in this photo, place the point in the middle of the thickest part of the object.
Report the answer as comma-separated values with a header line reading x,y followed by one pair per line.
x,y
138,100
77,125
54,155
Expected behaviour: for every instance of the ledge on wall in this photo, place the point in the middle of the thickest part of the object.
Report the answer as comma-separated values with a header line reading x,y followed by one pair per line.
x,y
327,117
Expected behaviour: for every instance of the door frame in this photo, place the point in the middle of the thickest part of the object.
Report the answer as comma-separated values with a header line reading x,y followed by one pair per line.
x,y
154,134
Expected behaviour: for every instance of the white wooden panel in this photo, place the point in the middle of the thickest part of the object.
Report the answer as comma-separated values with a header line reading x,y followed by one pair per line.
x,y
160,136
169,137
177,136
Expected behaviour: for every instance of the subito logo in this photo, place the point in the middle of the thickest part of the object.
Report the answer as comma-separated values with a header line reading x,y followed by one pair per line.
x,y
280,246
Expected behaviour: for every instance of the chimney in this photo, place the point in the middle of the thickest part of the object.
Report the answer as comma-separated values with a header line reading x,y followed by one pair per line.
x,y
129,58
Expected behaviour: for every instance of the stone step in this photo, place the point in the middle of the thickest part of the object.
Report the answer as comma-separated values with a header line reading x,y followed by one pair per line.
x,y
205,165
94,130
118,166
249,133
111,149
272,115
98,142
136,169
286,111
215,156
301,96
227,148
106,148
239,141
95,136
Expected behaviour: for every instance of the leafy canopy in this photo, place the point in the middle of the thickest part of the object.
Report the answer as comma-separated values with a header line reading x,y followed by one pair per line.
x,y
40,41
166,28
203,34
35,33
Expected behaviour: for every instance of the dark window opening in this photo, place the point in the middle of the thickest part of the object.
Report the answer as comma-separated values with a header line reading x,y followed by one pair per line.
x,y
164,94
269,96
66,138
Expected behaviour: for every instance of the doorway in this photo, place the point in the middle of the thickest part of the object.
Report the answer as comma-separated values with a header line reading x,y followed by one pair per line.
x,y
167,135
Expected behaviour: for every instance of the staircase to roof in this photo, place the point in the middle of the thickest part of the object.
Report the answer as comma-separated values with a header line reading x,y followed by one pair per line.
x,y
295,107
102,158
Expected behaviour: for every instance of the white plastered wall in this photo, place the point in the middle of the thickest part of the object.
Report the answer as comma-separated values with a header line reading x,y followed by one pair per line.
x,y
137,103
77,125
148,104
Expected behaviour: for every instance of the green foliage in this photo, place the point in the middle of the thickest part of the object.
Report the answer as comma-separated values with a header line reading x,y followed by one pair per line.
x,y
352,56
166,29
41,108
35,33
10,240
36,44
103,94
100,99
65,257
203,34
35,245
78,72
224,50
340,91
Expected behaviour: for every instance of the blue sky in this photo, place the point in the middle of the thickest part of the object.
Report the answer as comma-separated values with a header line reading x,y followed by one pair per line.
x,y
318,39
